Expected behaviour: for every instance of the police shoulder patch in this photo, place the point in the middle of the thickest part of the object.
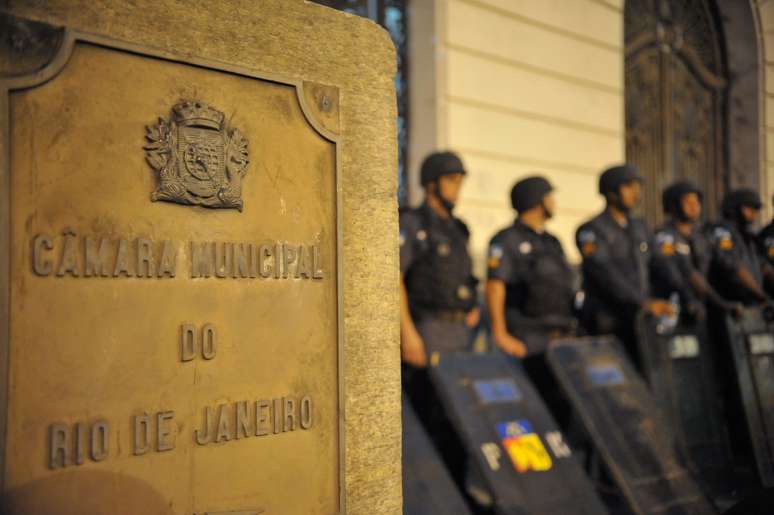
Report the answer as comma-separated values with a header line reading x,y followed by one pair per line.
x,y
495,255
665,243
586,235
664,237
588,248
720,232
587,242
722,238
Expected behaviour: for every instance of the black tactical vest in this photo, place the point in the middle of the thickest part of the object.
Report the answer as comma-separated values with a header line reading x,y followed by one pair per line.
x,y
546,287
441,276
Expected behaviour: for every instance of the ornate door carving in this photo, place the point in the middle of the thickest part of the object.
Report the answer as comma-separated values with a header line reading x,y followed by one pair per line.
x,y
675,93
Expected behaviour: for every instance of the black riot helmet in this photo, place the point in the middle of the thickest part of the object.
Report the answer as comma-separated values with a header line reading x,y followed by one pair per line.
x,y
529,192
435,166
614,177
439,164
672,197
736,199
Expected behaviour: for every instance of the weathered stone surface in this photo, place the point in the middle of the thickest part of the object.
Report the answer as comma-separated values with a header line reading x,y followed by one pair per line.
x,y
303,42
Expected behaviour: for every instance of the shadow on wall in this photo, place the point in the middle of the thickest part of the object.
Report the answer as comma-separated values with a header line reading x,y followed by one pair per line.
x,y
85,493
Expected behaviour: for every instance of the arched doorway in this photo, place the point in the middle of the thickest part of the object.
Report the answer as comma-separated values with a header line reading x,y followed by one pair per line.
x,y
676,94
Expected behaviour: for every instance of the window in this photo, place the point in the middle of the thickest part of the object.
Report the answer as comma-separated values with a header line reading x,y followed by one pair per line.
x,y
390,14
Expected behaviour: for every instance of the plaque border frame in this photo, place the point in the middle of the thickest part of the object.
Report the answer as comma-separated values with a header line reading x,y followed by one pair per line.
x,y
56,64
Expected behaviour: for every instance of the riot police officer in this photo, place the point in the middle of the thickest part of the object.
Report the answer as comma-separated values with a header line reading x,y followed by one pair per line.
x,y
736,272
437,287
529,290
736,268
616,250
681,252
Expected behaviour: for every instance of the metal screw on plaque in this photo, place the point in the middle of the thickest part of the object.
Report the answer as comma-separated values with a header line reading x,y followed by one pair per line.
x,y
325,103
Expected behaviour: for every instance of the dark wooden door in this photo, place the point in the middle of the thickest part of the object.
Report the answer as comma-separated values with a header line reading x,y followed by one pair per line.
x,y
675,98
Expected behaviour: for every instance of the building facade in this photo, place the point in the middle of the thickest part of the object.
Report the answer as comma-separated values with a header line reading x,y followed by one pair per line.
x,y
525,86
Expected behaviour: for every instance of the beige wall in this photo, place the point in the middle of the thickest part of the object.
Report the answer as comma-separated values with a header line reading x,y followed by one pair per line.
x,y
523,86
517,87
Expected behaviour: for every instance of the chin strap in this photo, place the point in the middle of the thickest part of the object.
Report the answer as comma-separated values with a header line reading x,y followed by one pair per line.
x,y
615,201
681,217
447,204
743,225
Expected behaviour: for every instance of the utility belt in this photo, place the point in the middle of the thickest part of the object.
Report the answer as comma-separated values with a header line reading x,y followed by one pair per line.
x,y
553,334
538,332
447,315
552,325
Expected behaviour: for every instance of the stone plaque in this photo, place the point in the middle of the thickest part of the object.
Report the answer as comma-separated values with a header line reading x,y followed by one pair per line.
x,y
173,338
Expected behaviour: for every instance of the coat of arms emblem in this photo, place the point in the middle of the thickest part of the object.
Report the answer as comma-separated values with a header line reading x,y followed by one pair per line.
x,y
198,158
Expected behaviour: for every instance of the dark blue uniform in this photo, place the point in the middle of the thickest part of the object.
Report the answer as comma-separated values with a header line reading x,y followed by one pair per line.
x,y
538,284
675,258
437,272
615,276
766,242
766,248
731,249
539,297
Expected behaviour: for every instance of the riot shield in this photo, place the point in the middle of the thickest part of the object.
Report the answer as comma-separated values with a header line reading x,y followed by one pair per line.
x,y
511,438
626,428
678,365
751,339
428,488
